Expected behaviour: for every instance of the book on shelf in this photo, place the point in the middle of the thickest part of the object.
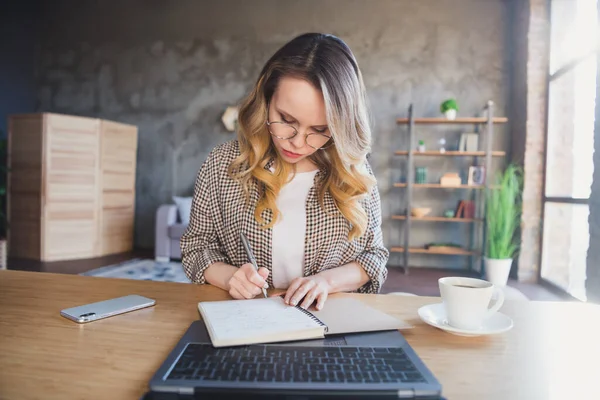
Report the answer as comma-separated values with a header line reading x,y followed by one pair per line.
x,y
465,209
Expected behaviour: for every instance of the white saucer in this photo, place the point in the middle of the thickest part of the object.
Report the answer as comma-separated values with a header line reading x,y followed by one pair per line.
x,y
435,315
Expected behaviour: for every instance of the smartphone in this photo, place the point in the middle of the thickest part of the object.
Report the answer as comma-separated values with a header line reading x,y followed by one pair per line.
x,y
107,308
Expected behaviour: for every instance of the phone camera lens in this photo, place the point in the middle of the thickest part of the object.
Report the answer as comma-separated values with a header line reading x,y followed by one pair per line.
x,y
86,317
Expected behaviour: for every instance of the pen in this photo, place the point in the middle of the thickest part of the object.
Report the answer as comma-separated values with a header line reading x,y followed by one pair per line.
x,y
251,256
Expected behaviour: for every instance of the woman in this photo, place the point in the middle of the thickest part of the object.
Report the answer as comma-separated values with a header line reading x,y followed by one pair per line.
x,y
296,182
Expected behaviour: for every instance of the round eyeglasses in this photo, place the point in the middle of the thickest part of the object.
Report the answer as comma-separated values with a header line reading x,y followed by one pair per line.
x,y
283,130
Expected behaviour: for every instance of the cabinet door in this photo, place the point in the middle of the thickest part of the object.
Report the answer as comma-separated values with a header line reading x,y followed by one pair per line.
x,y
25,185
118,165
71,188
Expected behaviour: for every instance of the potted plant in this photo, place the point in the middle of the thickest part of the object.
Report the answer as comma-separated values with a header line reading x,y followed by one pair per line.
x,y
449,108
503,215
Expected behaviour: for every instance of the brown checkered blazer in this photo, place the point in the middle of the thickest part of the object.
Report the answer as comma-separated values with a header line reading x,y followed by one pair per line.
x,y
219,214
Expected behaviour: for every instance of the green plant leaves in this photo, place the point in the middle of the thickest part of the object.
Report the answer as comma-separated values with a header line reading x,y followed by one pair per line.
x,y
503,214
449,104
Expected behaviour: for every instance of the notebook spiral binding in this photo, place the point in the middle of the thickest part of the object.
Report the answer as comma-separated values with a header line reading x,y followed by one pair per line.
x,y
312,316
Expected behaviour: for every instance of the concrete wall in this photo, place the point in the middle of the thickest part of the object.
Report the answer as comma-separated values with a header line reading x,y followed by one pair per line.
x,y
172,67
18,30
530,70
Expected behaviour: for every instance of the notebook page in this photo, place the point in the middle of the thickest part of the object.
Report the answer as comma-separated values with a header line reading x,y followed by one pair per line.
x,y
347,315
235,320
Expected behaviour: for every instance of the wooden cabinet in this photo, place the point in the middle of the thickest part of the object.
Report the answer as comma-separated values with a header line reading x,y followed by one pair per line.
x,y
71,186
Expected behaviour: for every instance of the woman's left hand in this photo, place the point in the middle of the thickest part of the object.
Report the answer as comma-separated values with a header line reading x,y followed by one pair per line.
x,y
309,288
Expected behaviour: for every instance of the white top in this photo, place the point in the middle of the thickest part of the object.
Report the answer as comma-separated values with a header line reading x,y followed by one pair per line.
x,y
290,229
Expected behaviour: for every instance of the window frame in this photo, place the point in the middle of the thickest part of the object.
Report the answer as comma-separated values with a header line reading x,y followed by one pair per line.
x,y
569,66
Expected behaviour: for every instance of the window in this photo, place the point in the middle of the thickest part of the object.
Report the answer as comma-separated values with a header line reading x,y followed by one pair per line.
x,y
570,144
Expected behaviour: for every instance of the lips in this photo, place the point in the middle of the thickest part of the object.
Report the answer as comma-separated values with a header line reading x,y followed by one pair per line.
x,y
290,154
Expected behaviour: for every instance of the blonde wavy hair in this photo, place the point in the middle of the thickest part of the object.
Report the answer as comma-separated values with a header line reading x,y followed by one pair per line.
x,y
328,64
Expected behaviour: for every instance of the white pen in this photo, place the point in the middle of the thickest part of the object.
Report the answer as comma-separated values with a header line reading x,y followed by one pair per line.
x,y
250,254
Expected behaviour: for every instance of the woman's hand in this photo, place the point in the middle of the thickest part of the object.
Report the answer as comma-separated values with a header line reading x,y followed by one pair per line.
x,y
246,282
309,288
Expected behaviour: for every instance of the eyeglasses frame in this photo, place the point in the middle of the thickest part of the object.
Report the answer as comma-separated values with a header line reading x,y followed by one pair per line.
x,y
296,134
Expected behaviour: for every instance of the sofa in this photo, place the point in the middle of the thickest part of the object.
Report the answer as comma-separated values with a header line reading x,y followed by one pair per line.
x,y
169,228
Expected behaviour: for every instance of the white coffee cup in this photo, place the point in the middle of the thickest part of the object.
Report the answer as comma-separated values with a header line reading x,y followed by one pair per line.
x,y
467,301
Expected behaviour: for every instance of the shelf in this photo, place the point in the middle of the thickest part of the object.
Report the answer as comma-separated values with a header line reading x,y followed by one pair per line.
x,y
452,153
438,186
472,246
449,252
457,121
438,219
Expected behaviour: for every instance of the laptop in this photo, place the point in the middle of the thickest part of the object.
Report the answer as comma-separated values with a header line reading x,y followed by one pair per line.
x,y
357,365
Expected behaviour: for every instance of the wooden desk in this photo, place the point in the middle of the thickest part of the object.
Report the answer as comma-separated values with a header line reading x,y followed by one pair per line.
x,y
553,352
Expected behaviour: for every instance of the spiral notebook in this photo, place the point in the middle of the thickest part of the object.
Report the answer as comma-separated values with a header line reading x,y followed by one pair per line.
x,y
270,320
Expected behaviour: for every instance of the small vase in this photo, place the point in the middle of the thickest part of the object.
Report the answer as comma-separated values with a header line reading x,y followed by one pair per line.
x,y
497,270
421,175
450,114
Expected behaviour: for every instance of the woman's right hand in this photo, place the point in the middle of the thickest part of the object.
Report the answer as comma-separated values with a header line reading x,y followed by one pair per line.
x,y
247,283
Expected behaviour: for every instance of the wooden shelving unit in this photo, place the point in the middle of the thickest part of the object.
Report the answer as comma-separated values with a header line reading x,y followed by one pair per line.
x,y
438,219
451,153
438,186
447,252
457,121
485,154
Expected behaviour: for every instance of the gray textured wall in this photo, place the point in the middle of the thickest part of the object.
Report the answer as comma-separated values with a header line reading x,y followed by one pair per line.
x,y
530,71
171,67
18,23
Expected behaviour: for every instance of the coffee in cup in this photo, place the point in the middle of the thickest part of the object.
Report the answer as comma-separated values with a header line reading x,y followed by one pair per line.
x,y
467,301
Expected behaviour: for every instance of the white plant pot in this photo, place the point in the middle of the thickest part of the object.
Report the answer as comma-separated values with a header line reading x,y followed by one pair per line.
x,y
450,114
497,270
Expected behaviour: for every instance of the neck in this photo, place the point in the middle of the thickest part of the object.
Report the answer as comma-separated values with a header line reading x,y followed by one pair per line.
x,y
305,165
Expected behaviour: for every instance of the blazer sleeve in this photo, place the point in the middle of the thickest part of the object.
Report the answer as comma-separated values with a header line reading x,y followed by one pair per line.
x,y
200,245
375,255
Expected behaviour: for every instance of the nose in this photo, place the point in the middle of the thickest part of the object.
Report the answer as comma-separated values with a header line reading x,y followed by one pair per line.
x,y
299,140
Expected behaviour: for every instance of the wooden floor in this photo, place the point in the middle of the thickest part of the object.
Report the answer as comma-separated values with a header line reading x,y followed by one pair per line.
x,y
419,281
424,282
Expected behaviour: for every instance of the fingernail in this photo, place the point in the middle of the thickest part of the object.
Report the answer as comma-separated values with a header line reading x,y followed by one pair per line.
x,y
293,302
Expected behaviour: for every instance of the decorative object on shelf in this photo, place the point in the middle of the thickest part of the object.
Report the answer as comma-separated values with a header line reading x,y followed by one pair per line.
x,y
449,214
443,247
442,145
465,209
421,175
503,209
468,142
420,212
230,118
449,108
421,147
476,175
450,179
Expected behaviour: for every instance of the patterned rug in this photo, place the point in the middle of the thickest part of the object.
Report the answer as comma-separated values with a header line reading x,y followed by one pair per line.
x,y
142,269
